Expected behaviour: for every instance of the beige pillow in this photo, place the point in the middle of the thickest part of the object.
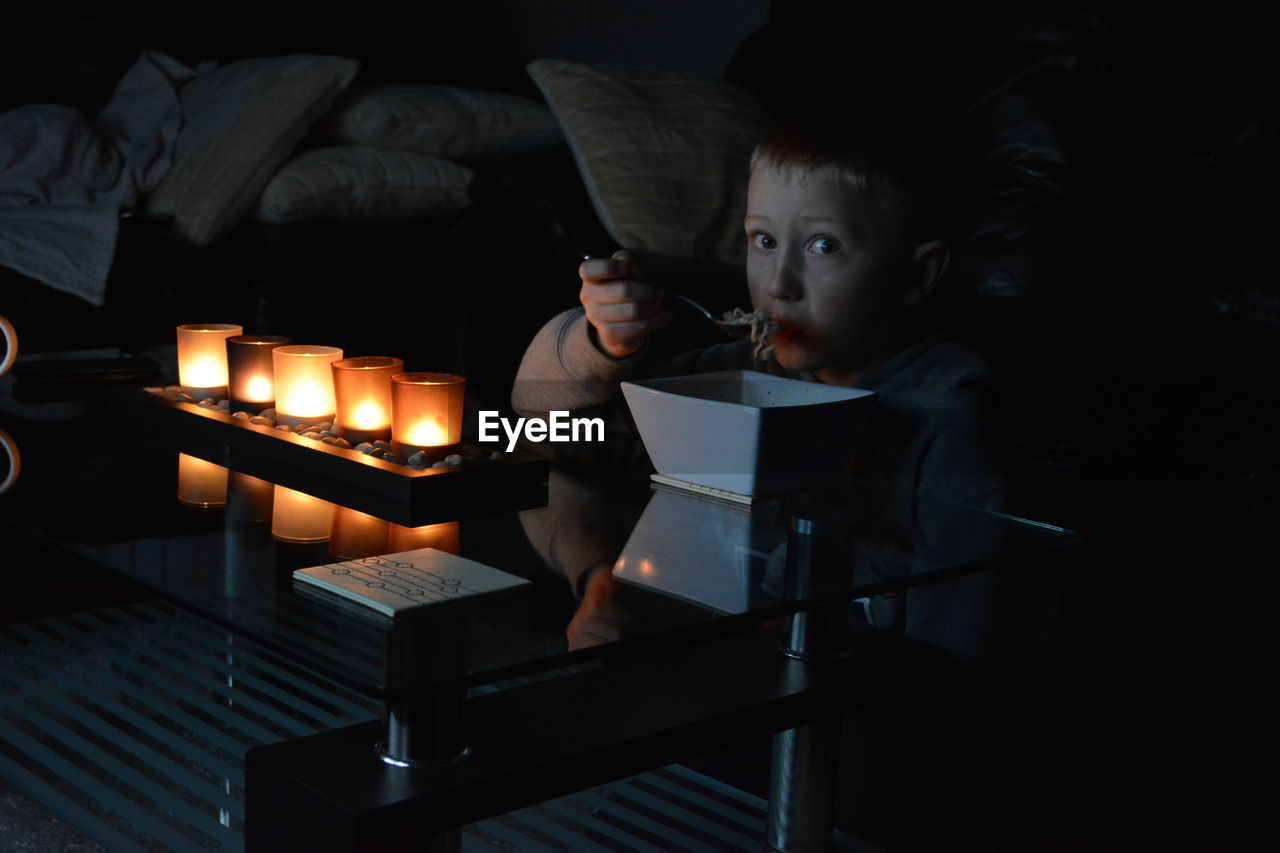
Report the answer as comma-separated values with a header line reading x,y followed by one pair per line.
x,y
240,122
357,182
664,157
463,125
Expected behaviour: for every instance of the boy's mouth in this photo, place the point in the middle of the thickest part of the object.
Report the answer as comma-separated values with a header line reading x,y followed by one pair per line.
x,y
784,332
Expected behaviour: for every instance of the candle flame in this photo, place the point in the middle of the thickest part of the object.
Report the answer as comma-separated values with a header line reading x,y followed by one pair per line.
x,y
369,415
259,389
428,432
305,400
205,373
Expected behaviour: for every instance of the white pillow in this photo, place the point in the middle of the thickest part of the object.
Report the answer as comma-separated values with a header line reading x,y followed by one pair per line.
x,y
240,122
463,125
357,182
664,157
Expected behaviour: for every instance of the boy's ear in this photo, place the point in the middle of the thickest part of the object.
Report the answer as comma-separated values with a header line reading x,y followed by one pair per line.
x,y
928,263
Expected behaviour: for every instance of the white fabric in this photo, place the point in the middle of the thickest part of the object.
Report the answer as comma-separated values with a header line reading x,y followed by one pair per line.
x,y
64,179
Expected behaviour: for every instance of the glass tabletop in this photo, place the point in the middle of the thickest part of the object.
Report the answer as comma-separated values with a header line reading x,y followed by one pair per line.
x,y
615,564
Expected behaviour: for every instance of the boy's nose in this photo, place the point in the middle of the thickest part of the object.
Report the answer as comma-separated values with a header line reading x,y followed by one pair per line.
x,y
784,284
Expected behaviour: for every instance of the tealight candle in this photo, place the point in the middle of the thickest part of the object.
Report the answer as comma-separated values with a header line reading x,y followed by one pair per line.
x,y
202,358
200,483
356,535
250,372
298,517
362,391
442,537
426,412
304,383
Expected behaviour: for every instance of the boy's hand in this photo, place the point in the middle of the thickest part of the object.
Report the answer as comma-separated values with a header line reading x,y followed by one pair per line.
x,y
621,308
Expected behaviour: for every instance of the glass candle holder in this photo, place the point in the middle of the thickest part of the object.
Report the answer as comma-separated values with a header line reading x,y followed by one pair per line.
x,y
298,517
426,412
362,392
250,372
304,383
442,537
356,535
200,483
202,358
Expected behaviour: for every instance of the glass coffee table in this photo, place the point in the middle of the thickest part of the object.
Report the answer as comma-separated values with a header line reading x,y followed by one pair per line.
x,y
655,624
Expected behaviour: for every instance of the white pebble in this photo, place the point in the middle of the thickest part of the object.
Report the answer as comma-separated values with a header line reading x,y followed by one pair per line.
x,y
185,398
310,433
244,416
394,457
453,459
284,427
365,447
325,426
440,464
339,441
259,419
224,404
268,413
418,460
153,389
495,455
207,403
173,387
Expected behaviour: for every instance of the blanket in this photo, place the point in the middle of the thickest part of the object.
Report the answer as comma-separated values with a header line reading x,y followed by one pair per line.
x,y
64,179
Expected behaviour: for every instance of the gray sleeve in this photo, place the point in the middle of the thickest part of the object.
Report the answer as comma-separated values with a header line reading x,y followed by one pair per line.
x,y
563,370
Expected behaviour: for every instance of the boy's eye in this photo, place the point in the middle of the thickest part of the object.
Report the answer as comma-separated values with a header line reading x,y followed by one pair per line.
x,y
764,241
824,246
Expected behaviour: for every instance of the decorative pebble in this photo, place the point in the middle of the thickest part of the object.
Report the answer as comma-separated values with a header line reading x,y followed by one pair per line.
x,y
243,416
418,460
177,388
268,413
378,442
154,389
207,403
325,426
495,455
310,433
440,464
365,447
259,419
284,427
224,404
453,459
184,397
339,441
329,439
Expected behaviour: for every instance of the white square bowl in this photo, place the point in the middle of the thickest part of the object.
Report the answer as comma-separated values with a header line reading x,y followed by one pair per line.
x,y
748,432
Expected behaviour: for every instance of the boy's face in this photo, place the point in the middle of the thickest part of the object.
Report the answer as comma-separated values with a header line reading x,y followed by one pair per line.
x,y
827,263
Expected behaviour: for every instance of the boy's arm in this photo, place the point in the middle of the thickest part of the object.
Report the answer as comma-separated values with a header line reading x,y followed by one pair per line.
x,y
563,370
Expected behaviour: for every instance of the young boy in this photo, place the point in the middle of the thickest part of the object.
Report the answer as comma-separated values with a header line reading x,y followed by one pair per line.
x,y
841,250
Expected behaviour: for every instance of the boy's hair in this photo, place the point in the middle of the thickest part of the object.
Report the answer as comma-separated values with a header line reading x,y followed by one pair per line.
x,y
879,149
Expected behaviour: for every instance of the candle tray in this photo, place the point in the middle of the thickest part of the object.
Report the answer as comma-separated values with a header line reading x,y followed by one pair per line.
x,y
388,490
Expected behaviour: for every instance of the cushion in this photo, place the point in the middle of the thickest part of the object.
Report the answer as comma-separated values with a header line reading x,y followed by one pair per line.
x,y
664,157
241,122
463,125
358,182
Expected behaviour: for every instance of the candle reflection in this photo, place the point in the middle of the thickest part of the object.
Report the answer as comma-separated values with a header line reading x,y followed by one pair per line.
x,y
442,537
298,517
200,483
356,534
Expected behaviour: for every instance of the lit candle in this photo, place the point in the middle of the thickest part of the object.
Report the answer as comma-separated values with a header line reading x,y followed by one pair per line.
x,y
442,537
304,383
202,358
298,517
356,535
201,483
426,412
362,390
251,374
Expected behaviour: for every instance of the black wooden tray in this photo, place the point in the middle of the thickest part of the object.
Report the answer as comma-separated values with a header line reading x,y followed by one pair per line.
x,y
396,493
